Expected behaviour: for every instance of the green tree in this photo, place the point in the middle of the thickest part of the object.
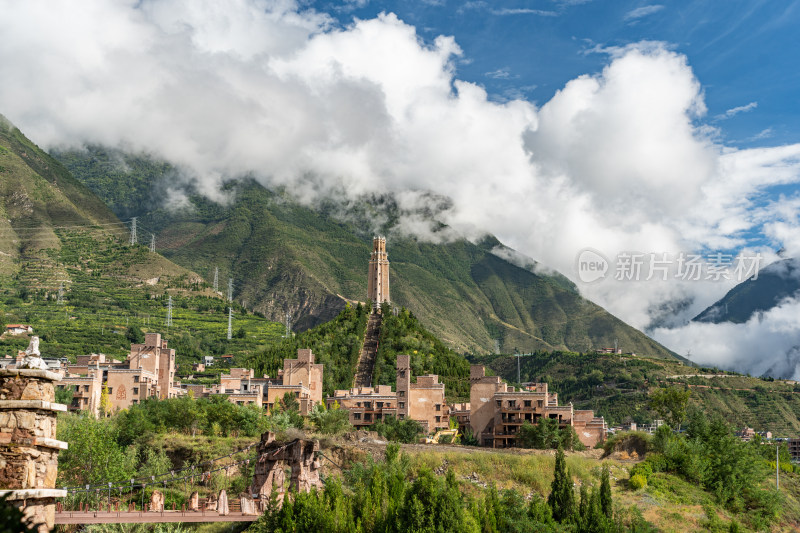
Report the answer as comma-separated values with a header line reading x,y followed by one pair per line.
x,y
105,402
134,334
670,403
606,505
562,497
93,455
330,421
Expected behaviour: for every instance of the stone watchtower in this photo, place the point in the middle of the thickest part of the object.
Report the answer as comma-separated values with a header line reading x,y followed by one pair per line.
x,y
378,279
28,448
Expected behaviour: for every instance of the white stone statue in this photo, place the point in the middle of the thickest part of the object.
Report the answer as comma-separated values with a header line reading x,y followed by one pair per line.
x,y
33,347
33,356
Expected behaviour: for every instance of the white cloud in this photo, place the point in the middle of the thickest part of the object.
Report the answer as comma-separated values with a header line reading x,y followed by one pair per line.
x,y
766,133
644,11
524,11
619,161
736,110
501,74
768,343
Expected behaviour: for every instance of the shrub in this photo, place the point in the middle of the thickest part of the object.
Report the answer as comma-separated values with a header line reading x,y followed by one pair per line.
x,y
638,481
643,469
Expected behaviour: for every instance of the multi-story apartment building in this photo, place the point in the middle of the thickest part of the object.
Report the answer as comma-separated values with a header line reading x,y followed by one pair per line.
x,y
148,372
497,411
423,400
301,377
366,405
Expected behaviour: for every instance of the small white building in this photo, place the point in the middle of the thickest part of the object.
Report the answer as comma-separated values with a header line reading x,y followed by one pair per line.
x,y
18,329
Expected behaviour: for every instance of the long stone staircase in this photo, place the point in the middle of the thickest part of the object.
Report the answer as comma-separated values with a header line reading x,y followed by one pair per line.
x,y
369,351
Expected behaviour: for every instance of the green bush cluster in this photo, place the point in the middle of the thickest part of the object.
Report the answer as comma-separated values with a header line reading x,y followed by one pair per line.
x,y
213,416
546,434
395,430
709,454
393,497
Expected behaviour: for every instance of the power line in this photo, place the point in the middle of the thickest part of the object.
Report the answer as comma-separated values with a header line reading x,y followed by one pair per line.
x,y
216,279
152,243
230,323
230,289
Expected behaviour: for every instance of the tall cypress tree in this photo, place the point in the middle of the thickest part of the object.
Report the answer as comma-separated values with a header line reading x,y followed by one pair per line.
x,y
562,497
605,493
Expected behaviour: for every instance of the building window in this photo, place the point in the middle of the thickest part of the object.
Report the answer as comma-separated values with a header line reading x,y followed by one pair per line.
x,y
358,404
367,405
357,416
378,416
512,403
402,405
379,405
438,419
135,401
110,390
401,393
136,390
401,417
86,388
527,403
438,407
367,417
136,379
77,388
499,403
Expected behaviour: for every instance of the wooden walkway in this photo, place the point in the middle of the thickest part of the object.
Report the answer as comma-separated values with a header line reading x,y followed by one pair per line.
x,y
139,517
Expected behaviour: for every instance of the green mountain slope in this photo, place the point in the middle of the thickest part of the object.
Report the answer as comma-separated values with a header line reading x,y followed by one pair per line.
x,y
58,241
284,257
776,282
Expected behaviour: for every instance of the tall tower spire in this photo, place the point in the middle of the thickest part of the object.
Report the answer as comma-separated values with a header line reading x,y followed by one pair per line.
x,y
378,280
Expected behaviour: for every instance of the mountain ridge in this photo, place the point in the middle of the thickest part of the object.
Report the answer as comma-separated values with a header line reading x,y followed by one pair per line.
x,y
285,257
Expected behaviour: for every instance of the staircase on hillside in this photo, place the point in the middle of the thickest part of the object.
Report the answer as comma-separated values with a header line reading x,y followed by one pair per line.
x,y
369,351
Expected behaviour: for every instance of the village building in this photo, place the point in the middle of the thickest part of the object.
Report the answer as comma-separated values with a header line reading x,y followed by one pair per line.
x,y
301,377
19,329
422,401
497,411
147,372
747,434
794,449
366,405
460,413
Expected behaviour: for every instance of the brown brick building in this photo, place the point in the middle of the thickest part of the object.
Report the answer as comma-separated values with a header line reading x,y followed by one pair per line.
x,y
497,411
148,372
422,401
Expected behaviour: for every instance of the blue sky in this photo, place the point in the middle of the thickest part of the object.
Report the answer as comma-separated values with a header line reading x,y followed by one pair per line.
x,y
746,54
